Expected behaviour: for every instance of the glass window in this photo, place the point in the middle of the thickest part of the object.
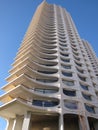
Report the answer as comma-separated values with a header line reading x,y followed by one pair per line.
x,y
68,83
88,97
63,45
63,54
81,71
47,72
69,93
65,60
80,65
70,105
89,108
37,102
68,74
66,66
45,90
47,80
63,49
44,103
84,86
82,78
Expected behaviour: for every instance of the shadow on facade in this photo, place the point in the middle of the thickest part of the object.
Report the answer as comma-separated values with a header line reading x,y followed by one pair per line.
x,y
44,122
93,123
71,122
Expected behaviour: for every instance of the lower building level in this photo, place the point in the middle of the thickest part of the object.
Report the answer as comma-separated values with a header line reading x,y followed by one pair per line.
x,y
37,121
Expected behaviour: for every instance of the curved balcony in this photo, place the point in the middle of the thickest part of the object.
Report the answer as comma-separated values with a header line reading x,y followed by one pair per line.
x,y
48,47
33,65
87,97
47,72
41,52
80,70
85,87
47,37
44,33
28,93
64,54
63,40
44,40
82,78
62,36
41,27
44,50
63,45
78,64
46,43
49,30
67,60
63,49
77,59
39,67
49,58
9,110
45,91
74,49
44,60
43,55
37,59
76,53
32,72
47,80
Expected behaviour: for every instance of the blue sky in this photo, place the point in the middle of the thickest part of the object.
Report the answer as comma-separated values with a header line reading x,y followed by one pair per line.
x,y
15,16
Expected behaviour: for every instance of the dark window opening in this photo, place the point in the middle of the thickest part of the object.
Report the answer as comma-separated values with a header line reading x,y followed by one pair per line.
x,y
65,60
82,78
88,97
44,103
89,108
69,93
84,87
66,66
67,74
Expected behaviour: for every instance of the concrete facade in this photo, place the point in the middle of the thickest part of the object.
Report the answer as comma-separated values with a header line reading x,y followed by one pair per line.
x,y
52,84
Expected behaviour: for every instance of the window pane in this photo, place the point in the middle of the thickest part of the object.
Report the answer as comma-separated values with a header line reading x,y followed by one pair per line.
x,y
69,83
71,105
89,108
69,93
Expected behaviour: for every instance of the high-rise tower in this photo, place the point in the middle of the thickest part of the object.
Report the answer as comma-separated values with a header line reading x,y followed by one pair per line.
x,y
53,82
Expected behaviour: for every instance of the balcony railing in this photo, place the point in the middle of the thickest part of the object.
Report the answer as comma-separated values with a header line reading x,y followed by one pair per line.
x,y
45,91
44,103
47,72
47,80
